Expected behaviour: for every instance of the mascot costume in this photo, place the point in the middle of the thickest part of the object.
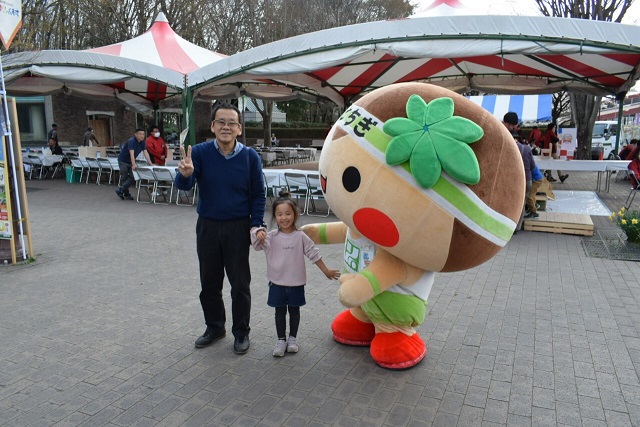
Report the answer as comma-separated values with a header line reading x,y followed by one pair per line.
x,y
423,180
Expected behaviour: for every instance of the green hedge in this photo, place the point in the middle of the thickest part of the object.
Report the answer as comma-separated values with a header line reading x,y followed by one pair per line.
x,y
288,133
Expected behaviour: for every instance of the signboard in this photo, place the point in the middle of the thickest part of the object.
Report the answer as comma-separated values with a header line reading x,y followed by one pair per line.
x,y
10,20
568,142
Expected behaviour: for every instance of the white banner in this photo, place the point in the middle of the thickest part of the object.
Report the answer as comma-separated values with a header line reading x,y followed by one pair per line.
x,y
568,142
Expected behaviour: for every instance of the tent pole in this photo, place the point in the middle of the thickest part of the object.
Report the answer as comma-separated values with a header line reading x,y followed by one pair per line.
x,y
620,97
10,148
188,132
191,120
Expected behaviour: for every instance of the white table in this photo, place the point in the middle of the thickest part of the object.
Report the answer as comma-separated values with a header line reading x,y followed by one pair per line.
x,y
599,166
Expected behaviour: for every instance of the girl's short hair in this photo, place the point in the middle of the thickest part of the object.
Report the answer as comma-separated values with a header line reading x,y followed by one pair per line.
x,y
284,198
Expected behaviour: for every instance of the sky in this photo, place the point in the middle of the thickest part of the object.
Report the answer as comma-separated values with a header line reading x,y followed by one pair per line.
x,y
518,7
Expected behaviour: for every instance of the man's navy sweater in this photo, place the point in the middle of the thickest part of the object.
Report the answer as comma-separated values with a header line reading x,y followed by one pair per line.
x,y
228,189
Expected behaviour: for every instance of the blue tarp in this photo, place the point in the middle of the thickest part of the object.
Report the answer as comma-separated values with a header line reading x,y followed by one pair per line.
x,y
530,108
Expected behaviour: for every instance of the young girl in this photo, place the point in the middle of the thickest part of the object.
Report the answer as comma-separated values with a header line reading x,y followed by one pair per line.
x,y
285,248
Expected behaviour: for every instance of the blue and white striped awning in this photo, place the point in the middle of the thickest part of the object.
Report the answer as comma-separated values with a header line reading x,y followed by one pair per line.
x,y
530,108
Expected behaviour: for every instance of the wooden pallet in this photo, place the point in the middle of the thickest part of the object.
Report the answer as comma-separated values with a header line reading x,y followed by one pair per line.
x,y
561,223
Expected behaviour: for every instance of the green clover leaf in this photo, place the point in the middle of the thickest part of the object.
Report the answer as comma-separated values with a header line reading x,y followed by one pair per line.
x,y
431,138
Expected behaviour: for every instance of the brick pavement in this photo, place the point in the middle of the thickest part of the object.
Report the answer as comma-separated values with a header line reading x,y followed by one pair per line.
x,y
100,331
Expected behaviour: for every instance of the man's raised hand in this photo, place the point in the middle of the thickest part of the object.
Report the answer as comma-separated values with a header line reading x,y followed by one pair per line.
x,y
185,167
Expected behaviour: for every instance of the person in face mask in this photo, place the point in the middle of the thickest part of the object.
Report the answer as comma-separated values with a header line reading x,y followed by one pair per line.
x,y
156,146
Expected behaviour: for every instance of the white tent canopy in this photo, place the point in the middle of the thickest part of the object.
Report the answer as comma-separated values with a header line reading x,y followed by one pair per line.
x,y
493,54
89,75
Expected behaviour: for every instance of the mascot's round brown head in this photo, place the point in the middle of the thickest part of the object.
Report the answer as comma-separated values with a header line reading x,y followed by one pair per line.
x,y
426,174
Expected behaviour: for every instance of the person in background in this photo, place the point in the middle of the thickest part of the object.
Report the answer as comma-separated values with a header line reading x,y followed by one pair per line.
x,y
88,137
551,140
53,133
127,162
156,146
510,121
54,147
172,137
274,140
231,203
629,150
536,181
634,167
535,137
285,248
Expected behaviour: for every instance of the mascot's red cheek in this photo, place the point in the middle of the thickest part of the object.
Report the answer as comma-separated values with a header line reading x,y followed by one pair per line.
x,y
323,183
376,226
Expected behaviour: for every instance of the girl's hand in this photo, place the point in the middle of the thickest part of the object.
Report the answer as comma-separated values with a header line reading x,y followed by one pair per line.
x,y
332,274
261,235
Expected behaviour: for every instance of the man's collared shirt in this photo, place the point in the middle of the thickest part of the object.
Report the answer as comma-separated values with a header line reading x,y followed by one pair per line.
x,y
238,148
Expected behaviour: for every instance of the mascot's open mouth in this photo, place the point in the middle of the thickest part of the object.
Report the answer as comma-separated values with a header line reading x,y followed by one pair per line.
x,y
323,183
376,226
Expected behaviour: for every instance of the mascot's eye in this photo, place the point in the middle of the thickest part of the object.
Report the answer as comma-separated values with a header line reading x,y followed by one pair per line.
x,y
351,179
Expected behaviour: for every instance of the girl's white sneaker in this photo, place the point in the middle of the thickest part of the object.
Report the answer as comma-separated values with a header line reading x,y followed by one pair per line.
x,y
281,346
292,345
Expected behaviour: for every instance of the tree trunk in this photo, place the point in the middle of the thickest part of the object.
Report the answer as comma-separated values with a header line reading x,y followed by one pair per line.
x,y
585,110
266,121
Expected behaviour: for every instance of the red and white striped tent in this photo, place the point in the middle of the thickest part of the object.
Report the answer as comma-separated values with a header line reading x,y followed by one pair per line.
x,y
140,71
445,8
493,54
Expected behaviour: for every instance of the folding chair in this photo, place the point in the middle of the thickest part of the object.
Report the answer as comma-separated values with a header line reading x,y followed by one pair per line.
x,y
105,168
315,193
147,180
27,167
634,189
115,167
164,182
190,195
36,165
303,155
298,187
92,167
77,166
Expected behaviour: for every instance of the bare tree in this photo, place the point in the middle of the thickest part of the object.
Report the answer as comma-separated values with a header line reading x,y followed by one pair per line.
x,y
585,107
276,19
225,26
560,103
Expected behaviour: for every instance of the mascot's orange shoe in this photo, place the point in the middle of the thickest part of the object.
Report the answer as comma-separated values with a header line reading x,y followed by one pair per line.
x,y
397,351
351,331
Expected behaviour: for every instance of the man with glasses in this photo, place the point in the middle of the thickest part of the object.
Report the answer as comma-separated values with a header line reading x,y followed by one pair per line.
x,y
231,202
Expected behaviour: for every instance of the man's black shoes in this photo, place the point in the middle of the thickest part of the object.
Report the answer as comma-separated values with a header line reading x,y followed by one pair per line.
x,y
241,345
209,337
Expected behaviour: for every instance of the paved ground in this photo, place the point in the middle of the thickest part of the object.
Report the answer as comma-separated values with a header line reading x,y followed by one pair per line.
x,y
99,330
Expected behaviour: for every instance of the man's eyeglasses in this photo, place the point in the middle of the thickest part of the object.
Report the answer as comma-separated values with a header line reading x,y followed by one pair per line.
x,y
223,123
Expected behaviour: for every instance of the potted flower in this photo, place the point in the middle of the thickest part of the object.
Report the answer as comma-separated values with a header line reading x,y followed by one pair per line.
x,y
629,222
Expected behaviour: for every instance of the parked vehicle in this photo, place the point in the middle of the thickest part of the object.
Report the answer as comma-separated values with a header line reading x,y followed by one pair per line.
x,y
603,139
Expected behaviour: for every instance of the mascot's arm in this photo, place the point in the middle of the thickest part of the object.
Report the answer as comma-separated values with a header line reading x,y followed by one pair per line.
x,y
384,272
326,233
